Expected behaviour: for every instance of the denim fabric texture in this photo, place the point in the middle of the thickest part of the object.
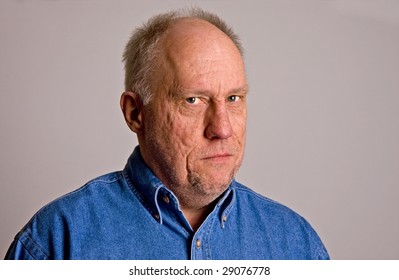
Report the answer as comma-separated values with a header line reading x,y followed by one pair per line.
x,y
130,214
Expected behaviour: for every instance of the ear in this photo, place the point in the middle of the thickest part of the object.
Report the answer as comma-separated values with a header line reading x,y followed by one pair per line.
x,y
132,106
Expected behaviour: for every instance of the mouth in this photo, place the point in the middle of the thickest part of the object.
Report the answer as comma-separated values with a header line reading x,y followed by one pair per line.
x,y
218,157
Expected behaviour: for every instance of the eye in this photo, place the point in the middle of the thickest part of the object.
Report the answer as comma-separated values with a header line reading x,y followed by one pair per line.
x,y
233,98
192,100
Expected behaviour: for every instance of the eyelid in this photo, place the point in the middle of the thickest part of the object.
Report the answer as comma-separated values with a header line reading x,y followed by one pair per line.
x,y
192,97
237,96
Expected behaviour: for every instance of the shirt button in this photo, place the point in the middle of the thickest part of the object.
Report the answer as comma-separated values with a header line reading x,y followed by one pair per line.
x,y
198,243
156,216
224,218
166,199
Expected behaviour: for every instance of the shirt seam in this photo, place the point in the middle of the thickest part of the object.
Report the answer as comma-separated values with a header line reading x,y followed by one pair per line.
x,y
139,197
239,187
35,244
82,188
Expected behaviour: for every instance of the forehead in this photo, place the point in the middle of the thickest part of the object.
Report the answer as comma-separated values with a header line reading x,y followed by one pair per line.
x,y
191,37
195,54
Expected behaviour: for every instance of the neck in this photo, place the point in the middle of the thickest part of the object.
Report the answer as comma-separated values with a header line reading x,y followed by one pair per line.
x,y
196,216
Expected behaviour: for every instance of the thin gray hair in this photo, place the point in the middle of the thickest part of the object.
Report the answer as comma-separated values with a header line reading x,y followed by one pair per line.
x,y
140,52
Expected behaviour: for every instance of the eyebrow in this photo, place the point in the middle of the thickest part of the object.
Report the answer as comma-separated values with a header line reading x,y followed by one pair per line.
x,y
180,91
243,90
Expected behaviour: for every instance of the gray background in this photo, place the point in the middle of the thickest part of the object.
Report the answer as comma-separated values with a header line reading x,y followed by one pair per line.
x,y
323,128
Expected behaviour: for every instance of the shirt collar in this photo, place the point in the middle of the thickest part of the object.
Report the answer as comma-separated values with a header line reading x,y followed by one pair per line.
x,y
149,189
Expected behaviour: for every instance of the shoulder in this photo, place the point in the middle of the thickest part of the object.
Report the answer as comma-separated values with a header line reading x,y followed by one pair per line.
x,y
97,188
263,208
282,224
258,202
91,196
57,223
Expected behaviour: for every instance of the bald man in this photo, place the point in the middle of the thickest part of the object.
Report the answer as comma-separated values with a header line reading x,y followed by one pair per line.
x,y
185,98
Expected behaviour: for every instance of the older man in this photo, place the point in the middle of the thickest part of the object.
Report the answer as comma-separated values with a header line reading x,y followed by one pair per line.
x,y
176,198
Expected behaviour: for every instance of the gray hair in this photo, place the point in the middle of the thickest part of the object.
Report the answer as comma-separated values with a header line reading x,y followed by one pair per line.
x,y
140,53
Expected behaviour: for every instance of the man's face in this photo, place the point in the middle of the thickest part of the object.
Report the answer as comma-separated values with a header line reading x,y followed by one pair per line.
x,y
194,126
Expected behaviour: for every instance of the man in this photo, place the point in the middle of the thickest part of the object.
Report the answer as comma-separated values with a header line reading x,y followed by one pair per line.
x,y
176,198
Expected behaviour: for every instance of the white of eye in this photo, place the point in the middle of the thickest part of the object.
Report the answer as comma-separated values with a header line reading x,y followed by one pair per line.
x,y
233,98
192,100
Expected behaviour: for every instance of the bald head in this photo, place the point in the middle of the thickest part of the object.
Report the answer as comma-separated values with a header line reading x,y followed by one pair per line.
x,y
140,56
194,35
191,46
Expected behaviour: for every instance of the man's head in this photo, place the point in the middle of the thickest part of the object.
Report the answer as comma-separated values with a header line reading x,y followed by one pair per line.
x,y
186,101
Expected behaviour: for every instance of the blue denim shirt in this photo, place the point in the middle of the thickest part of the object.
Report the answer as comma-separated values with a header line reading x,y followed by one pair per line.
x,y
131,215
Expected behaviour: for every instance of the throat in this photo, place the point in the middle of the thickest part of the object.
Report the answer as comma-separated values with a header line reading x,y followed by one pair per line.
x,y
196,217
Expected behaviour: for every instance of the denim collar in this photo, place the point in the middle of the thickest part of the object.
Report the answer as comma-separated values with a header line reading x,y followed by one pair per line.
x,y
150,191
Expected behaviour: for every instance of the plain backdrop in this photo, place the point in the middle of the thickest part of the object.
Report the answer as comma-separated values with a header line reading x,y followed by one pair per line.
x,y
323,125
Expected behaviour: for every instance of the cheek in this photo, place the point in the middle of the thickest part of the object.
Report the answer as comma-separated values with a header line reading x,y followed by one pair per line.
x,y
176,134
187,132
239,123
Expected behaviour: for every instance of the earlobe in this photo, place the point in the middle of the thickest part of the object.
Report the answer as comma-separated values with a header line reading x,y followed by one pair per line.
x,y
131,106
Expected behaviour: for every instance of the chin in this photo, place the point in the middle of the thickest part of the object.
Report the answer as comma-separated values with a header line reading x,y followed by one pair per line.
x,y
209,187
212,177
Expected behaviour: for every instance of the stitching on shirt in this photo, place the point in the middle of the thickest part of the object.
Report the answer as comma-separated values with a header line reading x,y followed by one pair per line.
x,y
26,249
322,253
206,229
242,188
113,177
230,207
139,196
157,204
36,245
116,177
208,250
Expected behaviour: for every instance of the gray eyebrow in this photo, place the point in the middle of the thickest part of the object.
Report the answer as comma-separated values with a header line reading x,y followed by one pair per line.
x,y
181,91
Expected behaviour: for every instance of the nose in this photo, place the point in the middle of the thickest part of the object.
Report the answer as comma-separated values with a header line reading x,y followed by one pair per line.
x,y
218,124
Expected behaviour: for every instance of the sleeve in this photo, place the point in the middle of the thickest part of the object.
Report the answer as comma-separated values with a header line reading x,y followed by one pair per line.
x,y
17,251
322,253
25,248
